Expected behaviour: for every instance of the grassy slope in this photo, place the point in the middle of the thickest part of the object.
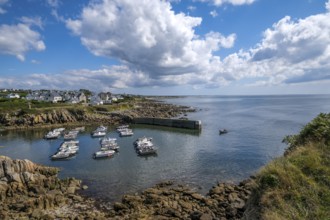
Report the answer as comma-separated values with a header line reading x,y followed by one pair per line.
x,y
297,185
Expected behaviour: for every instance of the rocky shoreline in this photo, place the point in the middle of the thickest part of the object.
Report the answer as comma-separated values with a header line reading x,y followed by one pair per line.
x,y
31,191
78,116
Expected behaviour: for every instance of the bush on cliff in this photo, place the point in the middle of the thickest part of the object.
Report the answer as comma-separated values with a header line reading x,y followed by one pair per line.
x,y
297,186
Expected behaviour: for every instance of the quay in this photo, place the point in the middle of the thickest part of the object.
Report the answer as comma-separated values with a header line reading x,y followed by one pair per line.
x,y
177,123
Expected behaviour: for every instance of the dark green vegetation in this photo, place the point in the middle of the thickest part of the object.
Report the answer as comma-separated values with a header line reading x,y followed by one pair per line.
x,y
297,186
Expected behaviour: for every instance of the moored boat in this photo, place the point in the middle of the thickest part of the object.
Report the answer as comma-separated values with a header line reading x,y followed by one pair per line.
x,y
144,146
52,135
62,155
103,154
223,131
99,134
126,132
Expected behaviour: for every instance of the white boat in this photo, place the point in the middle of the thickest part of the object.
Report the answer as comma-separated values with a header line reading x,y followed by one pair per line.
x,y
101,128
113,146
71,135
143,141
61,155
59,130
52,135
71,148
126,132
99,134
147,151
103,153
122,127
144,146
79,129
107,140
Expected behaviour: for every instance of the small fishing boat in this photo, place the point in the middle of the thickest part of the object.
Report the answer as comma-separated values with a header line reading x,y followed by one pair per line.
x,y
103,154
223,131
52,135
99,134
126,132
62,155
147,151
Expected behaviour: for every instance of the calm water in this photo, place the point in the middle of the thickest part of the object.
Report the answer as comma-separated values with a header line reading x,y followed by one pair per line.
x,y
256,124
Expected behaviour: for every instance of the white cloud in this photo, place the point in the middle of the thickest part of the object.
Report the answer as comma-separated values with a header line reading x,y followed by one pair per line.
x,y
291,51
35,61
147,36
232,2
106,78
3,3
36,21
214,13
19,39
191,8
327,5
54,5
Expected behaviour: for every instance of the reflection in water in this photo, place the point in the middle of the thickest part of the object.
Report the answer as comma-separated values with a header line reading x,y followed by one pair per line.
x,y
256,127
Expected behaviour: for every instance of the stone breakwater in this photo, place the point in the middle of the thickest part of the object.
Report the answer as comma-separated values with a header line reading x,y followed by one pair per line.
x,y
31,191
87,115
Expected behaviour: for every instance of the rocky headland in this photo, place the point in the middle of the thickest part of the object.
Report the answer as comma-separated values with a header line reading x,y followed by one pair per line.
x,y
91,115
32,191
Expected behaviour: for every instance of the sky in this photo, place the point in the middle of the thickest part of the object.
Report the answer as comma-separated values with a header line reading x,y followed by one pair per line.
x,y
167,47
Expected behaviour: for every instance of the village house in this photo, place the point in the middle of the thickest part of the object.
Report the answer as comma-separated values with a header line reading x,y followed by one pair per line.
x,y
82,97
13,96
54,97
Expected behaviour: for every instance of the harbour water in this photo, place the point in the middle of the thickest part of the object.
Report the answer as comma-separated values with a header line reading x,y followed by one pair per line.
x,y
256,126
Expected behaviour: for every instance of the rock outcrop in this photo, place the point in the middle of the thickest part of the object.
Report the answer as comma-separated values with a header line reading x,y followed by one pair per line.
x,y
60,116
169,201
31,191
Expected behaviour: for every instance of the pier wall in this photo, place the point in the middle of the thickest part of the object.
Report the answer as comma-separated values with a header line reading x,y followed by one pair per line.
x,y
177,123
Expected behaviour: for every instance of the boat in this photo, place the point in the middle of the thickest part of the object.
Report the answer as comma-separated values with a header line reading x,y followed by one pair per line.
x,y
100,128
62,155
144,141
52,135
147,151
59,130
144,146
72,148
122,127
71,135
106,140
126,132
66,150
79,129
223,131
99,134
103,154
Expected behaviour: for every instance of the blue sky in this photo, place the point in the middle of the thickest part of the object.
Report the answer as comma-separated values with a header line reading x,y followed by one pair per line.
x,y
153,47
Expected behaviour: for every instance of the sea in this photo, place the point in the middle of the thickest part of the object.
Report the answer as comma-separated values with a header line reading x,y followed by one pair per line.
x,y
200,159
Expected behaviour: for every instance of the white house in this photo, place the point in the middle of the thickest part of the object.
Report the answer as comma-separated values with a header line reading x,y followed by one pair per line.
x,y
54,97
13,96
96,100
